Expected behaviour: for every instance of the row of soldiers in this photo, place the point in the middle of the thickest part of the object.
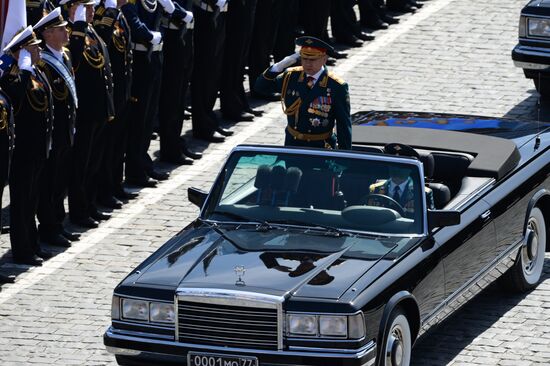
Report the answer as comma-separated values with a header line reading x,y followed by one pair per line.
x,y
88,81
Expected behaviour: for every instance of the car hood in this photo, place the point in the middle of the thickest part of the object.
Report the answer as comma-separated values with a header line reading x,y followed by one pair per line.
x,y
277,262
538,7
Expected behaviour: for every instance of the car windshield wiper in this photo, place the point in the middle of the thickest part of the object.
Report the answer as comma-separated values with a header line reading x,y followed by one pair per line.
x,y
232,215
329,230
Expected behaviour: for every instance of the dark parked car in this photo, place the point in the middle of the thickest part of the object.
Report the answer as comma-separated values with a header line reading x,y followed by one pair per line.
x,y
306,257
532,53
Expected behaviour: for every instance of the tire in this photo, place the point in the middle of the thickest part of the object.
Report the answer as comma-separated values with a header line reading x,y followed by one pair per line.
x,y
398,341
543,87
527,271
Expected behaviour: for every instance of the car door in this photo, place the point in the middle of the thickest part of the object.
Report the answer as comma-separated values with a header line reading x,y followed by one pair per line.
x,y
467,249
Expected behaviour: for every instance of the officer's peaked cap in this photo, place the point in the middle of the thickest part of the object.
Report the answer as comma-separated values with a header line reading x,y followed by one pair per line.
x,y
50,20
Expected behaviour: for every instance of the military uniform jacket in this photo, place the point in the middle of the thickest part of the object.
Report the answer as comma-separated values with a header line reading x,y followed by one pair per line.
x,y
406,199
6,135
32,105
114,29
94,78
144,17
64,111
312,113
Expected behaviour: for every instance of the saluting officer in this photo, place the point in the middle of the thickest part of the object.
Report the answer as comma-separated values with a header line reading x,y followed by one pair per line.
x,y
30,94
314,99
56,64
94,87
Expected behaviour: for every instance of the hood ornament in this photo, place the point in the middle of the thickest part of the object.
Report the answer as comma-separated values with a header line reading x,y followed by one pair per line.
x,y
239,271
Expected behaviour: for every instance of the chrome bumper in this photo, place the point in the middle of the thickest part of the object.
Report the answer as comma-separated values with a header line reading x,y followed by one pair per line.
x,y
138,347
531,58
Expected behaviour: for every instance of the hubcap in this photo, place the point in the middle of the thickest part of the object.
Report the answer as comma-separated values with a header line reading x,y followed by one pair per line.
x,y
530,251
394,348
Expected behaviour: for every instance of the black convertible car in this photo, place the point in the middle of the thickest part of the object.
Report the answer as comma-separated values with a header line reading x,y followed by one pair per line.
x,y
309,257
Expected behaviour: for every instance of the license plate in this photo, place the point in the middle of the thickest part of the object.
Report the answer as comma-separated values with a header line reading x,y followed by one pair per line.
x,y
211,359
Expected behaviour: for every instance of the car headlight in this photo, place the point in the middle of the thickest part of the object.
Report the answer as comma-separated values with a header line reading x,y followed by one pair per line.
x,y
333,325
327,326
135,309
162,312
300,324
538,27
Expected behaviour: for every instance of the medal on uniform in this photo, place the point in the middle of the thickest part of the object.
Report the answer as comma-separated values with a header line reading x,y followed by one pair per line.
x,y
315,122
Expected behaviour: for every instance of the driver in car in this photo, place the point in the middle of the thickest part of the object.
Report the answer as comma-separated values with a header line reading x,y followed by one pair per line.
x,y
400,188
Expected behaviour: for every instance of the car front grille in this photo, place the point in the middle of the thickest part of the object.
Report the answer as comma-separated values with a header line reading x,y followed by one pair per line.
x,y
220,323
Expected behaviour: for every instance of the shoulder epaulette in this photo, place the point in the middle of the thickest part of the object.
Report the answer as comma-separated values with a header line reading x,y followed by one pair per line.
x,y
336,78
296,68
132,2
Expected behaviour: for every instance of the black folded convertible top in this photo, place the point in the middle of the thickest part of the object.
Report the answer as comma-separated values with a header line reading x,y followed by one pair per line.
x,y
493,156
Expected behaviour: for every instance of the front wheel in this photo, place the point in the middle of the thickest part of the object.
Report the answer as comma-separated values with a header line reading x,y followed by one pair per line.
x,y
397,348
526,272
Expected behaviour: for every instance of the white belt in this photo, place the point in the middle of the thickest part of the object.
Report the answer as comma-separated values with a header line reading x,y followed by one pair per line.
x,y
170,25
204,6
142,47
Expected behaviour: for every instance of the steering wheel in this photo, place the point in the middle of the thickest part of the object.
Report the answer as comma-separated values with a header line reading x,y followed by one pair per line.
x,y
376,199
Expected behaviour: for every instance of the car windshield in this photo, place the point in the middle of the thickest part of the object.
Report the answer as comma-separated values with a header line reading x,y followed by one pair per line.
x,y
327,191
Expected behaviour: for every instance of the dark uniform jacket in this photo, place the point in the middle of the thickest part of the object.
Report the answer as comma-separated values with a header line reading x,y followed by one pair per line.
x,y
94,79
312,113
142,20
63,101
406,199
31,100
114,29
6,136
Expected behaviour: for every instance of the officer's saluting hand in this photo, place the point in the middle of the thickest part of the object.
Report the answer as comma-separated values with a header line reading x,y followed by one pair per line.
x,y
314,99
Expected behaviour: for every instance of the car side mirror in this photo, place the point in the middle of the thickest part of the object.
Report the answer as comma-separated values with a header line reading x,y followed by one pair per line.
x,y
442,218
196,196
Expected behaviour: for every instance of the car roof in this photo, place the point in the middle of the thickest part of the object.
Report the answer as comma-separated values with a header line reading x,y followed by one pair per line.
x,y
493,156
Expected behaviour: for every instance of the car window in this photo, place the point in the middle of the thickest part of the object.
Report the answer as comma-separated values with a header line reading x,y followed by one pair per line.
x,y
363,193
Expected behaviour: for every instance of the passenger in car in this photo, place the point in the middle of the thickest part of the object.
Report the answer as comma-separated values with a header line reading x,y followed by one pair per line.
x,y
400,188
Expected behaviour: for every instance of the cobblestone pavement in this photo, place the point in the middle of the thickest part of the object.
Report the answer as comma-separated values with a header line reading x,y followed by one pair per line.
x,y
452,56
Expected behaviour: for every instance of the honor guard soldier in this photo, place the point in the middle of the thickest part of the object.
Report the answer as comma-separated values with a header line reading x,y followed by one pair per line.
x,y
6,148
6,144
144,17
112,26
177,64
56,64
94,86
314,99
209,38
30,94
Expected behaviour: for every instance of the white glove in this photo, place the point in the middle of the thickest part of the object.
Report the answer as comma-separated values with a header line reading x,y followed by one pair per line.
x,y
25,61
110,4
80,14
157,38
168,6
189,17
221,3
286,62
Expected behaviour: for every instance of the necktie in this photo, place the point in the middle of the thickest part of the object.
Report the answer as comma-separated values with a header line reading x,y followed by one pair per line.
x,y
310,82
396,193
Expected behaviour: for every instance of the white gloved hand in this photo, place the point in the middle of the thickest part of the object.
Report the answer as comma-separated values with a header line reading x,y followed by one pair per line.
x,y
80,14
189,17
110,4
168,6
24,62
221,3
286,62
157,38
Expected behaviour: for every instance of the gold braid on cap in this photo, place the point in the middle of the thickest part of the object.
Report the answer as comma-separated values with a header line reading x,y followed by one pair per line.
x,y
312,52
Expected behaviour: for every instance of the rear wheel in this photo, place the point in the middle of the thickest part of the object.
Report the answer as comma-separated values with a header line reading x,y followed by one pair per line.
x,y
527,270
397,348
